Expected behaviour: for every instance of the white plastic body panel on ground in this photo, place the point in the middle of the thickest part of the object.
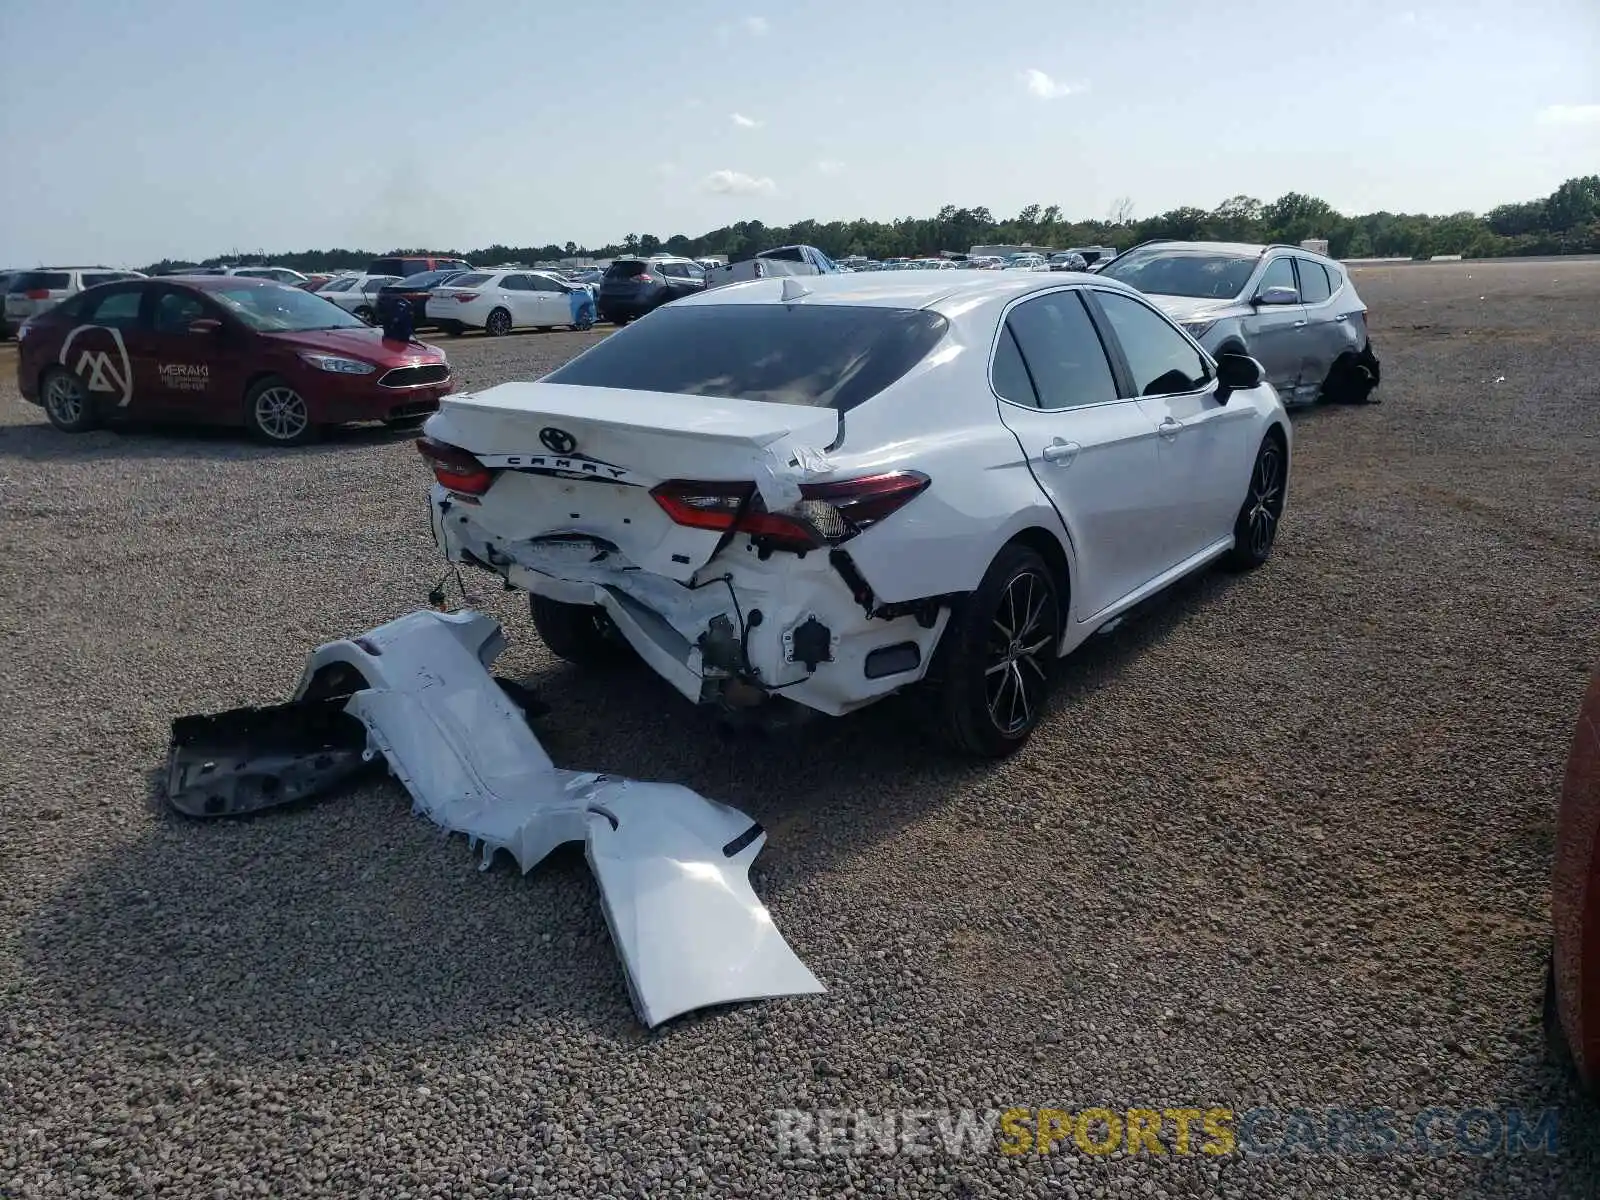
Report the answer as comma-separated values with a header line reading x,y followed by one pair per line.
x,y
672,865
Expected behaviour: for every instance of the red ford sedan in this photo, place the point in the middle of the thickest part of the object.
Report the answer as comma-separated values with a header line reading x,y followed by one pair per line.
x,y
222,350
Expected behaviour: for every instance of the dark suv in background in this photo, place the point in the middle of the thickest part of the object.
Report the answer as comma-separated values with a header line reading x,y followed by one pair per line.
x,y
415,290
632,287
405,267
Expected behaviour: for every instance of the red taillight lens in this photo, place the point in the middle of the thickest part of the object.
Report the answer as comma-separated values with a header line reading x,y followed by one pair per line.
x,y
827,513
644,279
454,467
463,297
702,505
37,294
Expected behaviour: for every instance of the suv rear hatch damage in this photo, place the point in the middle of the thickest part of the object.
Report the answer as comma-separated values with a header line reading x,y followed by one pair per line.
x,y
673,867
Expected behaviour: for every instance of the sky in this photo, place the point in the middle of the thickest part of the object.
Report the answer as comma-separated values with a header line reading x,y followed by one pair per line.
x,y
132,132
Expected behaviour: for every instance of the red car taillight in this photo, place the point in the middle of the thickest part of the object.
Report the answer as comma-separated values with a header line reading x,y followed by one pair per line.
x,y
37,294
454,467
644,279
826,514
463,297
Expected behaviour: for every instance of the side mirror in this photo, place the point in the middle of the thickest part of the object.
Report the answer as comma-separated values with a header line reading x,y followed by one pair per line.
x,y
1236,373
1277,295
206,325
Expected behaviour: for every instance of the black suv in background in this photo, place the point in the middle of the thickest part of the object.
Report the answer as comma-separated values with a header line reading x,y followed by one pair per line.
x,y
632,287
415,290
404,268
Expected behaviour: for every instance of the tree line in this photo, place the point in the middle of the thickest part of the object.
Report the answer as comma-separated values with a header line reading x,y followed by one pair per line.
x,y
1565,222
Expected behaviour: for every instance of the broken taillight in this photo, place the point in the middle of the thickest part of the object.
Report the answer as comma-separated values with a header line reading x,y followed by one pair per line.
x,y
455,468
826,513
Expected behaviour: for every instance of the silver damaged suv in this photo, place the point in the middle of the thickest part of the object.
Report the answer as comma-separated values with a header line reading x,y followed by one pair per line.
x,y
1293,311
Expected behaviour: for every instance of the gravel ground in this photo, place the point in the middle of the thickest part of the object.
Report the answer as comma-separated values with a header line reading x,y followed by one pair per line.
x,y
1285,839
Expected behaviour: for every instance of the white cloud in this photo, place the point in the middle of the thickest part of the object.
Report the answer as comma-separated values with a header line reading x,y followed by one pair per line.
x,y
1046,88
829,166
749,26
1570,114
744,122
737,183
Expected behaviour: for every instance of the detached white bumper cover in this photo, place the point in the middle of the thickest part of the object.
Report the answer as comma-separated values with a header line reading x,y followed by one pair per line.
x,y
673,867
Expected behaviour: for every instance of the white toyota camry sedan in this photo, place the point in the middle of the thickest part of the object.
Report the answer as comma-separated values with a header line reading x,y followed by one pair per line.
x,y
826,489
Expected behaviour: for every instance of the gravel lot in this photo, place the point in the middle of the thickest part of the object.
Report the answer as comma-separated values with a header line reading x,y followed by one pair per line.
x,y
1285,839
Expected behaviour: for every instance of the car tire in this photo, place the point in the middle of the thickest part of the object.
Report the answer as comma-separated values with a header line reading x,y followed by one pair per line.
x,y
67,402
992,696
365,313
1255,529
276,413
498,324
1352,379
581,634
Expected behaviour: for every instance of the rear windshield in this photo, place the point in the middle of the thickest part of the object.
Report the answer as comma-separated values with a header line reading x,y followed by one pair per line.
x,y
1208,276
626,268
32,281
823,355
428,278
471,280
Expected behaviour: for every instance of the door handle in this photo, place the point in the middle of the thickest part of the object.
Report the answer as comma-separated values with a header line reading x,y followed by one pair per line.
x,y
1342,317
1170,428
1299,323
1060,452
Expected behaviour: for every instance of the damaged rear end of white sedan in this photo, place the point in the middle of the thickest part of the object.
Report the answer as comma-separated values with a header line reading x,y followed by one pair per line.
x,y
798,492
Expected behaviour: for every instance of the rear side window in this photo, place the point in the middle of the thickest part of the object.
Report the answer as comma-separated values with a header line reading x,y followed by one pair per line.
x,y
1010,375
1163,363
516,283
1314,287
471,280
1062,351
96,280
823,355
626,268
119,309
33,281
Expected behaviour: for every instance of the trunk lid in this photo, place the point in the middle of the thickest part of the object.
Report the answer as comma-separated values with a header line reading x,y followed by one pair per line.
x,y
580,462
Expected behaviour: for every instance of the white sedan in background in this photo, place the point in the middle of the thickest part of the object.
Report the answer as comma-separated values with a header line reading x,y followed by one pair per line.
x,y
356,294
499,301
824,490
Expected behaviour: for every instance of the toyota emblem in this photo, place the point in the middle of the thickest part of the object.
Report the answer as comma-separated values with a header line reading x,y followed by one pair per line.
x,y
557,441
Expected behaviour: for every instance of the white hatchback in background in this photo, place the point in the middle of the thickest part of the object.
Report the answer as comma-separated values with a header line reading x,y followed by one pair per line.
x,y
499,301
33,291
356,294
827,489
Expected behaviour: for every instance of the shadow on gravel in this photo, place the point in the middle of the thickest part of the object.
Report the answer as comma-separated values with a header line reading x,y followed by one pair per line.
x,y
138,440
348,921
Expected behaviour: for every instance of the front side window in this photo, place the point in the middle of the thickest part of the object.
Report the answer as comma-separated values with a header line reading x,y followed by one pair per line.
x,y
543,283
1162,361
1280,273
823,355
1062,351
175,310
